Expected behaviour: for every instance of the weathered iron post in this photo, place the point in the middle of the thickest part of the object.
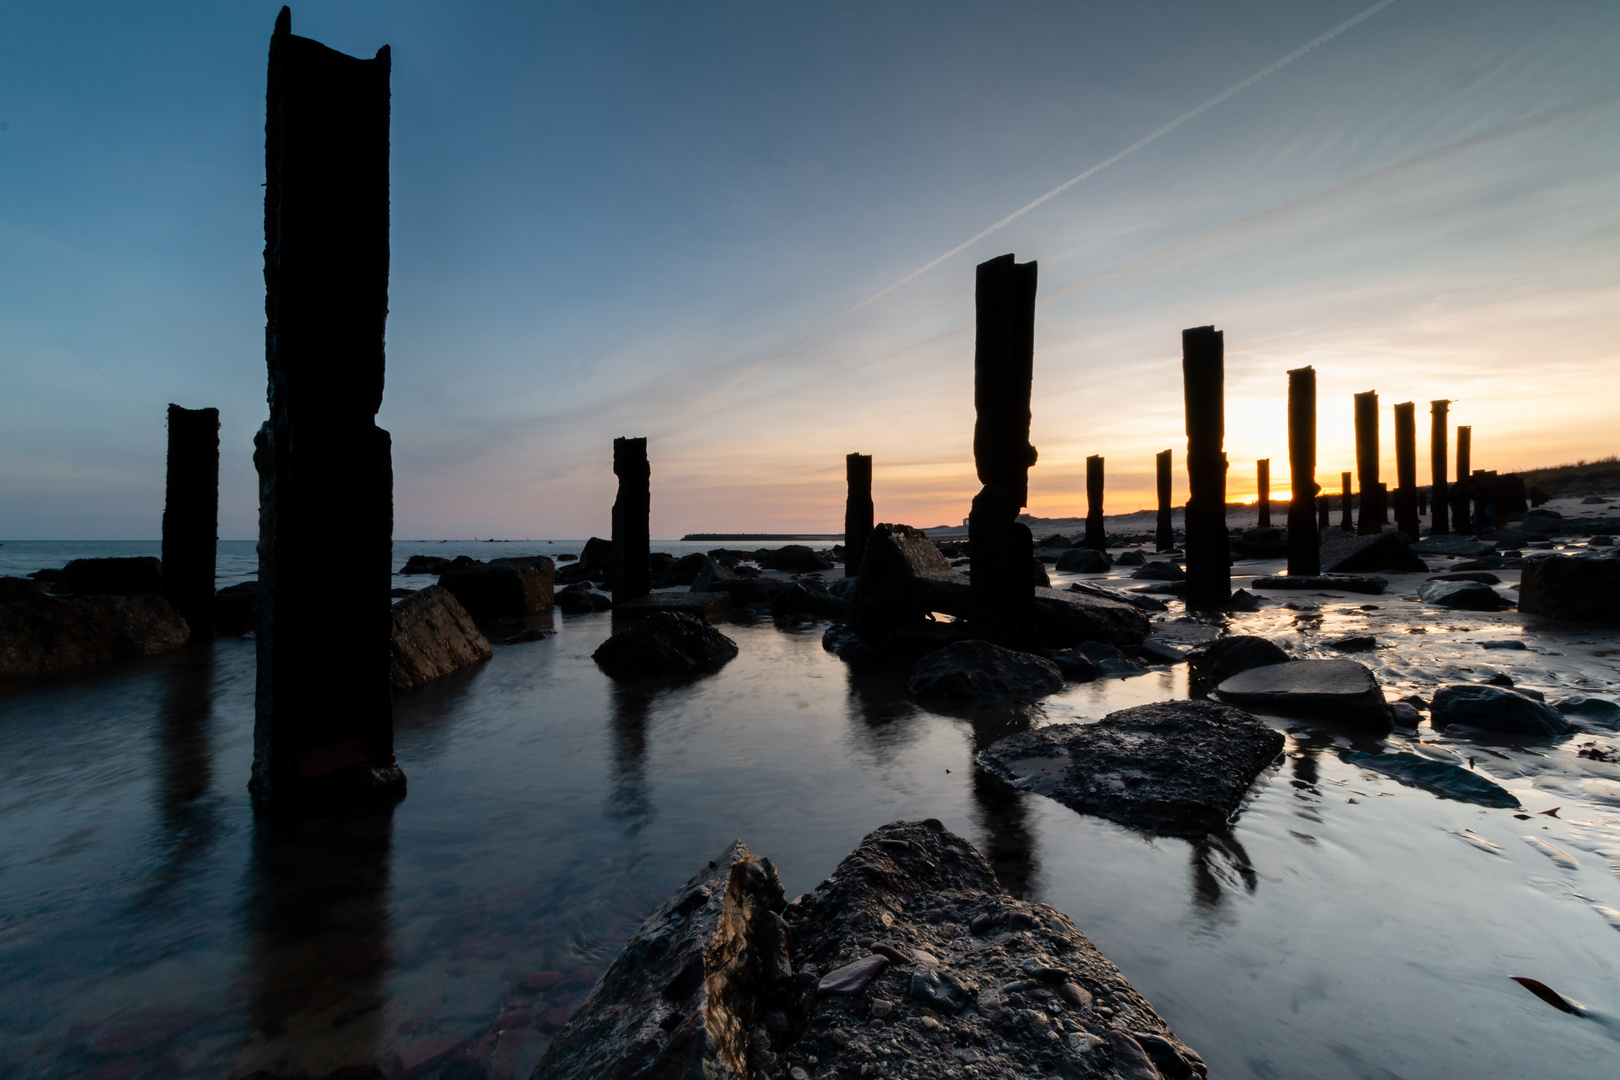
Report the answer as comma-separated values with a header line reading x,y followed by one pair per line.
x,y
1003,590
1096,538
1262,479
1459,499
1370,521
1209,562
1164,538
1406,509
323,718
1345,522
858,511
1304,542
191,518
632,525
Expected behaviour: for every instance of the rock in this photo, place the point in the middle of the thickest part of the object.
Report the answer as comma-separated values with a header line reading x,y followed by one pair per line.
x,y
1065,619
796,559
139,576
707,606
1160,652
1463,595
1594,709
664,643
980,671
1461,546
853,978
596,557
1178,767
1337,690
1038,572
581,599
1242,600
1079,560
1098,651
20,588
499,590
886,588
1510,645
847,645
236,609
1404,714
46,635
1446,781
1357,583
1268,542
1565,587
1484,577
711,573
1491,708
432,635
425,564
1135,599
1131,558
1354,643
1056,542
810,597
688,568
1075,665
765,590
1601,540
1224,657
1367,554
1159,571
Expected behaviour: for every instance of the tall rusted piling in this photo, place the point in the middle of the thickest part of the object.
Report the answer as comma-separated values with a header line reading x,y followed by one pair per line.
x,y
1164,538
1459,498
1262,479
1003,589
1406,508
191,517
1345,522
323,720
1096,538
1209,563
1437,465
632,527
858,510
1371,519
1304,542
1324,518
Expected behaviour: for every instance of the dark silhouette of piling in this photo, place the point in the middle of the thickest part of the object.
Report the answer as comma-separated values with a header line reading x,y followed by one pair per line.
x,y
1095,536
1262,502
1164,539
1324,518
323,720
1406,508
1383,505
1345,523
1437,465
1003,589
858,510
1209,563
1459,499
632,528
1304,543
1370,521
191,517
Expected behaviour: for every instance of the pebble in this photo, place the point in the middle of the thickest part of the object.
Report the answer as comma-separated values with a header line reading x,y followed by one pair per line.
x,y
930,1024
852,978
882,1007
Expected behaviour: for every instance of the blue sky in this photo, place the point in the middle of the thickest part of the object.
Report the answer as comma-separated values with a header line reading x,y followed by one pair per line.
x,y
647,219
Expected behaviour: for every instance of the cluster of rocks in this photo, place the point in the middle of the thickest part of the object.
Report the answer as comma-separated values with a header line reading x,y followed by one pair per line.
x,y
88,612
910,959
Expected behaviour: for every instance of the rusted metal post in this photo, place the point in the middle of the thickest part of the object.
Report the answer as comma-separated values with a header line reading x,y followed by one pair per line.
x,y
1209,561
1406,510
1304,542
858,511
1345,523
1164,539
1459,499
1262,479
1370,521
1096,538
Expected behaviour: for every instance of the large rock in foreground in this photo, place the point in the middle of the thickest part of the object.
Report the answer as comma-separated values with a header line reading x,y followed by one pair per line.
x,y
45,635
1178,767
503,589
1368,554
1563,587
726,982
432,635
1343,691
980,671
1491,708
664,643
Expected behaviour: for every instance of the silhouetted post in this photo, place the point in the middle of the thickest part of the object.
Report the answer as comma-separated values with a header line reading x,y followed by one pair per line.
x,y
1262,479
632,528
1345,522
1369,523
1459,502
191,517
1209,563
1304,543
1383,505
858,512
1003,590
1423,502
1324,518
1406,510
323,719
1165,538
1095,536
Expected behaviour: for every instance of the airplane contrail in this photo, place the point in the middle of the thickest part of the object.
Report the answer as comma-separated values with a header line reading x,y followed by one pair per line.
x,y
1235,88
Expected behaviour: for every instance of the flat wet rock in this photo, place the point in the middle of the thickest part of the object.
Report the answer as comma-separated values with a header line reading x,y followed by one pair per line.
x,y
1339,690
1492,708
980,671
1464,595
1219,660
1445,780
1178,767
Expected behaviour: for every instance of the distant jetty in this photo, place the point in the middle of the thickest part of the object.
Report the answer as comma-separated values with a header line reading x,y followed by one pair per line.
x,y
837,538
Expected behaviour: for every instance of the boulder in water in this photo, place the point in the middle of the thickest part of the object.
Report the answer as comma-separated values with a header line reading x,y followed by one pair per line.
x,y
795,559
1492,708
1178,767
980,671
425,564
886,587
1463,596
1226,656
236,609
1159,570
13,589
1445,780
1368,554
664,643
1081,560
498,590
46,635
432,635
1565,587
1339,690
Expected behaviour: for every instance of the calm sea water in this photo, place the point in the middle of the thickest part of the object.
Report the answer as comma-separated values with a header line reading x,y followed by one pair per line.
x,y
151,926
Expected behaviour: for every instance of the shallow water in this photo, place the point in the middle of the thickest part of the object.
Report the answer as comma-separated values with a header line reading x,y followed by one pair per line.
x,y
1347,926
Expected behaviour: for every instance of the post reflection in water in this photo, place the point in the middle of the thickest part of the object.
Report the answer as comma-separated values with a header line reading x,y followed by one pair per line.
x,y
319,949
187,820
1219,865
630,794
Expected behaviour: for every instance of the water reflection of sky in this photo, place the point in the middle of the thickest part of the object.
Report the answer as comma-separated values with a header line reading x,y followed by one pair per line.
x,y
1343,927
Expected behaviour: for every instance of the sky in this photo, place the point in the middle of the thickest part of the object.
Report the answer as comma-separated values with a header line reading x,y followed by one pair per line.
x,y
615,218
